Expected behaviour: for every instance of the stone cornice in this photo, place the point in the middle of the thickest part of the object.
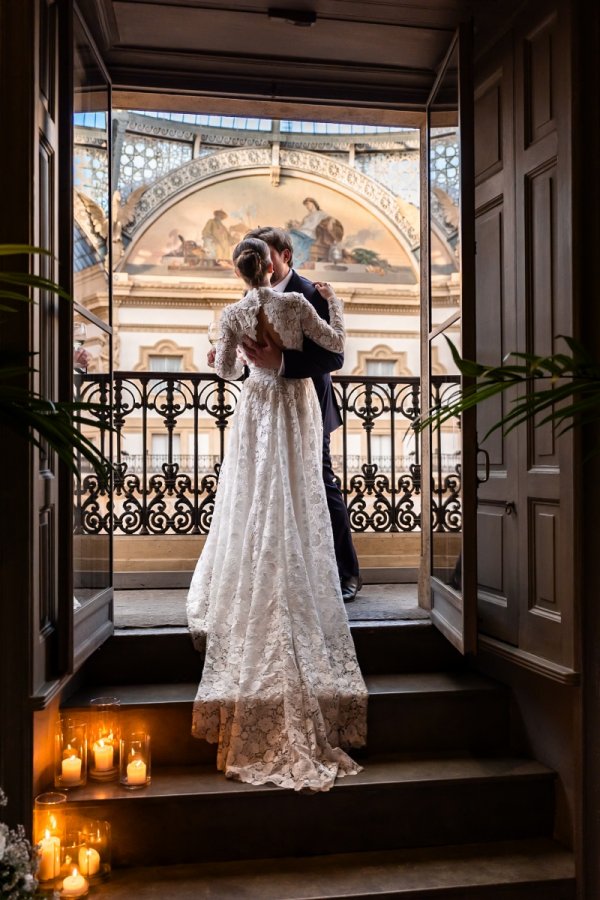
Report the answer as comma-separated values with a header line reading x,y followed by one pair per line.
x,y
203,329
392,308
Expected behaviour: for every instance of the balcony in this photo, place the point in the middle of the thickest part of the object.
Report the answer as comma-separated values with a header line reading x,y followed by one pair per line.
x,y
163,501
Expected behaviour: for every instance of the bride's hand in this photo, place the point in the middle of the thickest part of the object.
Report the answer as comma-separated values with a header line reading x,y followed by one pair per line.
x,y
325,289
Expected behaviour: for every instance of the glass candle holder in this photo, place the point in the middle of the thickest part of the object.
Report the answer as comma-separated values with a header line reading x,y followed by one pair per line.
x,y
70,754
70,848
49,828
104,738
135,760
94,854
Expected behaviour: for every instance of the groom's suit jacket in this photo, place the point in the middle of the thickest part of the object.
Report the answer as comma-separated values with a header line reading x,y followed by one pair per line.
x,y
313,361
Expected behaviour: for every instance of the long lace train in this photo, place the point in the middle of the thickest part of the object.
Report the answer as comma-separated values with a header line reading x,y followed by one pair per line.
x,y
281,691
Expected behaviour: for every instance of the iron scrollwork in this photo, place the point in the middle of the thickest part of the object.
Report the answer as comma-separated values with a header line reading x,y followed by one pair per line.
x,y
168,492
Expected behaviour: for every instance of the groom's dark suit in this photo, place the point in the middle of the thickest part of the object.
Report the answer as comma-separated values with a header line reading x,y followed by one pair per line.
x,y
315,362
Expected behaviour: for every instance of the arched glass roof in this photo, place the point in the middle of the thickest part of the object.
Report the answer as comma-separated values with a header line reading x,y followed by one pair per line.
x,y
254,124
90,120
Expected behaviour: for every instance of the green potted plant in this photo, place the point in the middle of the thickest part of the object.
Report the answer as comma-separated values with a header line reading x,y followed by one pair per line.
x,y
23,410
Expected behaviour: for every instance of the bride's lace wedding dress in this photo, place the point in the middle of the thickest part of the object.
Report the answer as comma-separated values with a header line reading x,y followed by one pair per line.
x,y
281,690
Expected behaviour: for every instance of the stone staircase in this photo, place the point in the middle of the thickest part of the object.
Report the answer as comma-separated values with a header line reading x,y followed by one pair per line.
x,y
441,809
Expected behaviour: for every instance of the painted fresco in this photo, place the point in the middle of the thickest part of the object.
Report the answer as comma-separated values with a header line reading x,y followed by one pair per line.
x,y
334,237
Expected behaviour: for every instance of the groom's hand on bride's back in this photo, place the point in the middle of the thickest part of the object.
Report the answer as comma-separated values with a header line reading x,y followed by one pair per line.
x,y
265,356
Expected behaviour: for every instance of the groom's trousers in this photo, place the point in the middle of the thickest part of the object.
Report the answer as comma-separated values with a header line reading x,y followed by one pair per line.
x,y
345,554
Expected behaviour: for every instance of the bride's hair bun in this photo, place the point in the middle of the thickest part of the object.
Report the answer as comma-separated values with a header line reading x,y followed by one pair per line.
x,y
252,258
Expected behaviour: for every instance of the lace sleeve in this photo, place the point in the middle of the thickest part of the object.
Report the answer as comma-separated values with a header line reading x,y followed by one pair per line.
x,y
330,335
227,363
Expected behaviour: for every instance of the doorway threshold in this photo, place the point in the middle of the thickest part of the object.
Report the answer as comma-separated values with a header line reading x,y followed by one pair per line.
x,y
165,608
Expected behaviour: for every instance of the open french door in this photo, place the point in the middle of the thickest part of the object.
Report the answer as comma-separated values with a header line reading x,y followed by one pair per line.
x,y
92,337
448,579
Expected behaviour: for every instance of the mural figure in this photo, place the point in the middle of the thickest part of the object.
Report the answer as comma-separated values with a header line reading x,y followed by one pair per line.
x,y
185,254
316,236
218,239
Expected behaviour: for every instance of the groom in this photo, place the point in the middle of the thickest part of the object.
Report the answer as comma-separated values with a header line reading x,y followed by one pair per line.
x,y
316,363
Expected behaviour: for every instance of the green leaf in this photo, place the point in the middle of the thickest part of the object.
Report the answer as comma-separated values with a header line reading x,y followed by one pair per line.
x,y
34,281
21,249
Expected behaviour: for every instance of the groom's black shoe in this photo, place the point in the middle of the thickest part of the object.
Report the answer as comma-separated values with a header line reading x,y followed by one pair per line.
x,y
350,587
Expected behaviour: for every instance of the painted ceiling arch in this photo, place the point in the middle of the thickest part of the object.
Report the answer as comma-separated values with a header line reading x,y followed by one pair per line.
x,y
352,222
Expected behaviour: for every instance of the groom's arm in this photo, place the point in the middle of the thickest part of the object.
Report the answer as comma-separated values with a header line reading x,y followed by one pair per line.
x,y
312,360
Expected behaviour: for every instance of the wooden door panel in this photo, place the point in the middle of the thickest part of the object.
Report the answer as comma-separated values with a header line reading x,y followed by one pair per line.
x,y
543,179
497,528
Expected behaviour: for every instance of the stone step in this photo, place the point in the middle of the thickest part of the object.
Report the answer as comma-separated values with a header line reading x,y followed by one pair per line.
x,y
431,711
515,870
147,655
197,815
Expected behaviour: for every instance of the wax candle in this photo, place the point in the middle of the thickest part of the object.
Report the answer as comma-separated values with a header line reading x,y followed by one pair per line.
x,y
49,858
103,755
136,772
71,769
75,885
89,861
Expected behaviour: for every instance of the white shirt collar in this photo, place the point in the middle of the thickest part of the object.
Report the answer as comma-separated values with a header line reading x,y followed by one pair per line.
x,y
281,285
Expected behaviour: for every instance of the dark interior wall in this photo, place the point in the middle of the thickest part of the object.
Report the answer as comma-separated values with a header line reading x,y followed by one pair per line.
x,y
17,111
586,131
544,725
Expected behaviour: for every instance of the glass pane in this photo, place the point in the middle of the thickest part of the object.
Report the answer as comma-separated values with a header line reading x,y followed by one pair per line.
x,y
444,196
446,468
445,302
90,180
91,342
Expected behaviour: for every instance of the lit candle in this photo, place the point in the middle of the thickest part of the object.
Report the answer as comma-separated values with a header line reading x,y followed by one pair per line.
x,y
103,755
89,861
75,885
136,772
71,767
49,858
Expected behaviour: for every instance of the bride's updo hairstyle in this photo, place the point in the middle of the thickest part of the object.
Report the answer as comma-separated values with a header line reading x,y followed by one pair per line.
x,y
251,256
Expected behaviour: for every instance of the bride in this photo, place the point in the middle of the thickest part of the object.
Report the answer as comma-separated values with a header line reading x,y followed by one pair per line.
x,y
281,690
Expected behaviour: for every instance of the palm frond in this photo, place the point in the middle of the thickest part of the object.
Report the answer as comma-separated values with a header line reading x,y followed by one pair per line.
x,y
561,389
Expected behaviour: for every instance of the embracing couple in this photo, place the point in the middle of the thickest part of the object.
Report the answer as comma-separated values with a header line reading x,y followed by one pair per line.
x,y
281,691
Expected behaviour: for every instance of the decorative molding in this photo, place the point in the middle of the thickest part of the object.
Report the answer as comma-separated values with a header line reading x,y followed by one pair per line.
x,y
370,333
166,348
437,368
212,303
382,352
167,329
544,667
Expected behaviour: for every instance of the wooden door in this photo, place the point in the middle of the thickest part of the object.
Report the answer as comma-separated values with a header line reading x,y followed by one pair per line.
x,y
496,335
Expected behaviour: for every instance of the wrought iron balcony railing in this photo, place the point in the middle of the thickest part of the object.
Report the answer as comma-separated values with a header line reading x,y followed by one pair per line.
x,y
174,493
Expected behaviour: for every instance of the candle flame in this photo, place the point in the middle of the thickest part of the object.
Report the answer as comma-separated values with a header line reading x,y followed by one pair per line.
x,y
75,872
47,835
